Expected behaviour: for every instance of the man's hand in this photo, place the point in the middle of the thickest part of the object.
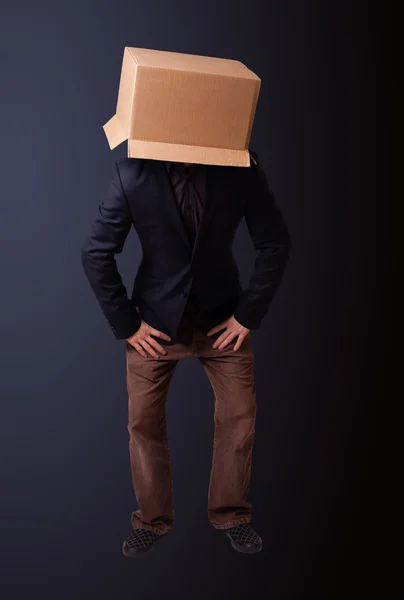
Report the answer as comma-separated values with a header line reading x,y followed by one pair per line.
x,y
232,329
144,343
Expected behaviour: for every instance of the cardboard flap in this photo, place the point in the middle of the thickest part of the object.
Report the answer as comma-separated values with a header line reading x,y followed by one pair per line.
x,y
115,132
191,154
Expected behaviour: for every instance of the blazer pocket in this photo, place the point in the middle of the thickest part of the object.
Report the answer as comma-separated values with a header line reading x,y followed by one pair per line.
x,y
155,284
147,285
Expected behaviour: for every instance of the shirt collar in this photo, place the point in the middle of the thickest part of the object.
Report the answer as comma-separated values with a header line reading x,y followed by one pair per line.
x,y
194,168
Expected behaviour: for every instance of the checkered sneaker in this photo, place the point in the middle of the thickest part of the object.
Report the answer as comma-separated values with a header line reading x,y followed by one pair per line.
x,y
244,538
139,541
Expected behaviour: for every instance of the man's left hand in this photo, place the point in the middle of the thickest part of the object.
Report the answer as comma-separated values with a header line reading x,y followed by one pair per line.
x,y
232,328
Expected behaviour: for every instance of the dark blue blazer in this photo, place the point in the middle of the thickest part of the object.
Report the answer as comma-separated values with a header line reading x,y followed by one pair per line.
x,y
140,195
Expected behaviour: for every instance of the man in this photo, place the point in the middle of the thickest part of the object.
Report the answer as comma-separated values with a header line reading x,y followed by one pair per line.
x,y
187,301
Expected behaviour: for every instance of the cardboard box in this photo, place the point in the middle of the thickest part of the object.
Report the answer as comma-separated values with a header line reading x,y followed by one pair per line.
x,y
184,107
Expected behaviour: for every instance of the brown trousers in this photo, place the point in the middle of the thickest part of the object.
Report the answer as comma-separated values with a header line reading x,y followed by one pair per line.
x,y
231,375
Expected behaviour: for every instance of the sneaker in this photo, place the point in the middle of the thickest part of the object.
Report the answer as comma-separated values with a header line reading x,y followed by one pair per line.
x,y
244,538
139,542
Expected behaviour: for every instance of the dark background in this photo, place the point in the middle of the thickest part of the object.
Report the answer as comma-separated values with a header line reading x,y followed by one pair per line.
x,y
321,133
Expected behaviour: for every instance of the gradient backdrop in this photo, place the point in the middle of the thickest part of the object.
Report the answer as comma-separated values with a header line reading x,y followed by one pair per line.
x,y
320,132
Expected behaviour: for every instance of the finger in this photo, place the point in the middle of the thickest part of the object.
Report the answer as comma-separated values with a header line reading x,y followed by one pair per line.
x,y
240,340
220,339
139,348
156,345
148,348
160,334
216,328
226,341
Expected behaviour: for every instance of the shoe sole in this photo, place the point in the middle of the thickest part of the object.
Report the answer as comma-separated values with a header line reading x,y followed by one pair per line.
x,y
137,553
243,549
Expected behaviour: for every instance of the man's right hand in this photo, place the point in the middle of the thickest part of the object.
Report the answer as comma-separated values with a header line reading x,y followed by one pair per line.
x,y
144,343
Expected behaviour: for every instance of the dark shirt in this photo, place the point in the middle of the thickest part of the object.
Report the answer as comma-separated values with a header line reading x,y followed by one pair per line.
x,y
188,184
189,187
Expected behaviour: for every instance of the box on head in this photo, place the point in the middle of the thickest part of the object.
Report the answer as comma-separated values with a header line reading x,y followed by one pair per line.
x,y
184,107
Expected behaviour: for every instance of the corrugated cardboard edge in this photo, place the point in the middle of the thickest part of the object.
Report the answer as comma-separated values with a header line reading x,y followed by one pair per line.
x,y
253,111
134,64
114,129
253,159
184,153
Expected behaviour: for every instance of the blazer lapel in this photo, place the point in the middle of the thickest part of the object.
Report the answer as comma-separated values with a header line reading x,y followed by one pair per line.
x,y
168,200
173,211
210,203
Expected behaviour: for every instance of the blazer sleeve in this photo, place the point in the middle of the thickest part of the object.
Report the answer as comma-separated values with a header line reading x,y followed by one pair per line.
x,y
270,237
107,237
